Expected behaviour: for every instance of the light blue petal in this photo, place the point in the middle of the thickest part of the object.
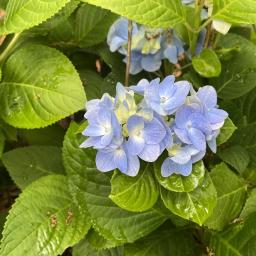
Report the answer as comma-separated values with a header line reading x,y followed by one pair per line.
x,y
182,116
182,135
106,139
151,62
201,123
166,88
154,132
212,144
133,165
150,153
94,130
135,123
182,156
216,116
120,160
140,87
169,167
105,161
208,96
135,145
104,117
171,53
197,157
197,138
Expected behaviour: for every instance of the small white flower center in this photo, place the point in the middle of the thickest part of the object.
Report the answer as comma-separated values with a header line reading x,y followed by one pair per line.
x,y
163,99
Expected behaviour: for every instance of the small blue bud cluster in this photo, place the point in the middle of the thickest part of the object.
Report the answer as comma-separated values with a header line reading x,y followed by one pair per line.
x,y
170,116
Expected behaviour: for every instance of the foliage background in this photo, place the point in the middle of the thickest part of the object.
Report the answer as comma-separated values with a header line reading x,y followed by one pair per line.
x,y
48,55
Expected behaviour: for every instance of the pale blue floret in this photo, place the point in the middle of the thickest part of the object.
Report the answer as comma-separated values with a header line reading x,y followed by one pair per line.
x,y
145,137
181,160
117,156
167,96
192,127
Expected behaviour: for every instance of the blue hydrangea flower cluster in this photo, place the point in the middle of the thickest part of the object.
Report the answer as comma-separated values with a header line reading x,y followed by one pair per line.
x,y
170,116
149,46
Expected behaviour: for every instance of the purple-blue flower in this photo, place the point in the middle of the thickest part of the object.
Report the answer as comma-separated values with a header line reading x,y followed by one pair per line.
x,y
145,137
180,160
167,96
192,127
118,156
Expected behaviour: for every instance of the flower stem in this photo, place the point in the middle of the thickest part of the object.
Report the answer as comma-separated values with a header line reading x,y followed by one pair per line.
x,y
8,49
198,8
128,64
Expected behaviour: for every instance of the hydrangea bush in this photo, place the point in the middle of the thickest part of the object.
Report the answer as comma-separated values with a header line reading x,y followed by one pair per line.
x,y
127,127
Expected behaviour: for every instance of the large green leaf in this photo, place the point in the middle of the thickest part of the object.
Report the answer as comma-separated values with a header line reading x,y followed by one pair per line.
x,y
40,86
246,137
88,26
238,74
91,189
30,163
44,220
84,248
196,206
226,131
238,240
236,156
179,183
164,241
231,192
24,14
235,11
250,205
135,194
207,63
154,13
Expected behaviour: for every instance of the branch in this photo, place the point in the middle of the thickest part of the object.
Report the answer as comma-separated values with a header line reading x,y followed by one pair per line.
x,y
129,47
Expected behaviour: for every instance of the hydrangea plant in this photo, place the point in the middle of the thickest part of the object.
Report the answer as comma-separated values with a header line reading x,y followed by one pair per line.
x,y
127,127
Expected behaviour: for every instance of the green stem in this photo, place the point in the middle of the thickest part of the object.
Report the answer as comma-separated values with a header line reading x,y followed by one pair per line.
x,y
8,49
185,66
197,21
128,64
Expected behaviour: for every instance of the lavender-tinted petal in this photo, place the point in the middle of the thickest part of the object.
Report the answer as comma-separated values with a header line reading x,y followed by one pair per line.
x,y
171,53
105,161
207,96
154,132
94,130
135,145
120,160
182,135
150,153
197,138
182,115
133,165
151,63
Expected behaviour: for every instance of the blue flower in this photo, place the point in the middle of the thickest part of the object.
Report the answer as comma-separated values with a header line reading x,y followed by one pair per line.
x,y
145,137
103,125
180,160
208,98
118,34
166,97
172,48
192,127
117,156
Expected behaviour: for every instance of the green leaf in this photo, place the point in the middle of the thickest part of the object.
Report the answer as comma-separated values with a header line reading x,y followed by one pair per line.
x,y
226,131
2,143
246,137
44,220
91,189
207,63
231,192
236,156
136,194
40,86
250,205
3,216
99,242
235,11
238,75
24,14
84,248
51,136
159,14
238,240
179,183
196,206
30,163
95,85
9,131
88,26
164,241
